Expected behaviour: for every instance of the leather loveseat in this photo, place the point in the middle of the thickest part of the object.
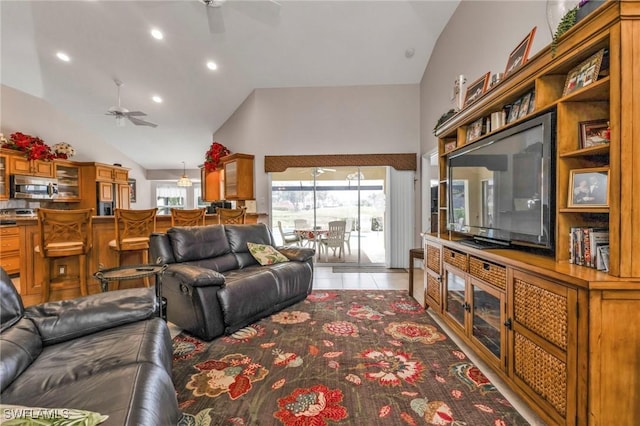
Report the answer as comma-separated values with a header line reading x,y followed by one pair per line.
x,y
214,285
107,353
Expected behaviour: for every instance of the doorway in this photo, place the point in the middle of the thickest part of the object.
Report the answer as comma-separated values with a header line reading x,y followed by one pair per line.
x,y
308,198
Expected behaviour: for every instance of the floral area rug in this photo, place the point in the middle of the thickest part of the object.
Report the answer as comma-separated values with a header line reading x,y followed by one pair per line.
x,y
343,357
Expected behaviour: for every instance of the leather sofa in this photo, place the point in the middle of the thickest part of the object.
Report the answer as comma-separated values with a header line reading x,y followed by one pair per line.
x,y
213,285
107,353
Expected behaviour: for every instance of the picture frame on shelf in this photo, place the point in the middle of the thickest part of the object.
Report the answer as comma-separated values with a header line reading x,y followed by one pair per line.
x,y
520,54
594,133
588,188
474,131
524,105
583,74
532,102
476,89
514,111
450,146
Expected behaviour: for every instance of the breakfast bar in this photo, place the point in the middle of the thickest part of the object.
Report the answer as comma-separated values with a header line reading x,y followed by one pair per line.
x,y
64,283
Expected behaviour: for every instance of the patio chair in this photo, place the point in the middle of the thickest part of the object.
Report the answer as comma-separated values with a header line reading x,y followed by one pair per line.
x,y
289,237
334,239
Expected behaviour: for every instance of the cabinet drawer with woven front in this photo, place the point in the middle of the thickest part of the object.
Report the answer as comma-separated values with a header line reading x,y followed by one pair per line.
x,y
488,272
432,258
455,258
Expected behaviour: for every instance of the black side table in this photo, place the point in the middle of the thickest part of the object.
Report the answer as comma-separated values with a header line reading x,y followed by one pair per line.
x,y
132,272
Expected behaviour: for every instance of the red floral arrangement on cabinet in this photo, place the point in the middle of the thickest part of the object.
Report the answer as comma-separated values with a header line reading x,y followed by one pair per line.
x,y
33,147
213,156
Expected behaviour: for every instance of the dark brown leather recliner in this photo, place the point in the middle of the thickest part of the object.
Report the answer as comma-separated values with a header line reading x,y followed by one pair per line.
x,y
108,353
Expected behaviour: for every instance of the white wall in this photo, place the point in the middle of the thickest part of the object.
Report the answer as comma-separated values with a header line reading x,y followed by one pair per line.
x,y
21,112
328,120
478,38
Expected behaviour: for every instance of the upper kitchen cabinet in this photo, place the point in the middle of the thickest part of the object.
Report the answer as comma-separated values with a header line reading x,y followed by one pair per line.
x,y
19,165
111,173
238,176
212,183
68,176
4,177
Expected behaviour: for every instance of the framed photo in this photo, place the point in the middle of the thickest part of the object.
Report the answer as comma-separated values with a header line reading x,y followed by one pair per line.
x,y
476,90
583,74
514,111
474,131
593,133
450,146
524,105
520,54
589,187
132,190
532,102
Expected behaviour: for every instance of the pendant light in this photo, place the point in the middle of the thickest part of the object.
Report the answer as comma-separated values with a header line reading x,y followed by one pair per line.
x,y
184,180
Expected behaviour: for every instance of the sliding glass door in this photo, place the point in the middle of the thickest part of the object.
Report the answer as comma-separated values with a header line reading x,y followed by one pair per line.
x,y
307,199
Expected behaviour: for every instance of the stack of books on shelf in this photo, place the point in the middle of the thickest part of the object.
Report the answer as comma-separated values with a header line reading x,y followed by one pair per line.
x,y
590,247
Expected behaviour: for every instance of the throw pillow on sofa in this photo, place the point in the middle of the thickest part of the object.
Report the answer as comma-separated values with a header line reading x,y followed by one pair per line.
x,y
265,254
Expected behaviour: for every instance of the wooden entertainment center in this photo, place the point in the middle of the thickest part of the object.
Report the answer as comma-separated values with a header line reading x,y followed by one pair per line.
x,y
565,337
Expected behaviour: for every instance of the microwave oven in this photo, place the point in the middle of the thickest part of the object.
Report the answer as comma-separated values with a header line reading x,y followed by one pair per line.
x,y
33,187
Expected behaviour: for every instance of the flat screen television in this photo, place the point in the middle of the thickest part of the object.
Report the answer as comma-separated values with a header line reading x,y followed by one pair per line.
x,y
501,188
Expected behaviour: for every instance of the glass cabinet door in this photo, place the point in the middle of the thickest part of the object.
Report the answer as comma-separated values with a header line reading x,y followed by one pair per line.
x,y
68,182
487,317
456,300
4,178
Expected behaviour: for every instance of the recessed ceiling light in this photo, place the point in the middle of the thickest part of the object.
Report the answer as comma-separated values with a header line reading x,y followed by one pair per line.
x,y
63,56
157,99
212,65
157,34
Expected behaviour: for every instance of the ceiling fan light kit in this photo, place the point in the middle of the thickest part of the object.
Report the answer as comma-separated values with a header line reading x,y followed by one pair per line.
x,y
121,113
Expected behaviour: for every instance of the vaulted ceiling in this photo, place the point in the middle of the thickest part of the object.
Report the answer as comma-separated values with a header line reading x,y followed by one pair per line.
x,y
263,44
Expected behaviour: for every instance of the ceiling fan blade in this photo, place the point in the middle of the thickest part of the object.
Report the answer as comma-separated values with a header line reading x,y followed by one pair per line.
x,y
215,19
265,11
134,113
139,122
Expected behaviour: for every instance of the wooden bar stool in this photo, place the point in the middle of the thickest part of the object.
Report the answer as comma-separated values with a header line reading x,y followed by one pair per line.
x,y
64,233
194,217
133,229
231,216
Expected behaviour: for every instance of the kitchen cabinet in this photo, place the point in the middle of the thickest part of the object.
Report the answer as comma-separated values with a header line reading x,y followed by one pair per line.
x,y
104,184
212,184
105,192
10,249
19,165
123,192
68,176
105,172
238,176
4,177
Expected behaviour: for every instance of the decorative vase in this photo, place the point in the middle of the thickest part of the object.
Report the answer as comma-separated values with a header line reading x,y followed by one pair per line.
x,y
556,9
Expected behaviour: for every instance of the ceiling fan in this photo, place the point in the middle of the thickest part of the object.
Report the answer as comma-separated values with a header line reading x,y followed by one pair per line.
x,y
121,113
267,11
317,171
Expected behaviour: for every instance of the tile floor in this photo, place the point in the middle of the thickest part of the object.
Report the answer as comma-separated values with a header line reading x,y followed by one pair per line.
x,y
326,279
